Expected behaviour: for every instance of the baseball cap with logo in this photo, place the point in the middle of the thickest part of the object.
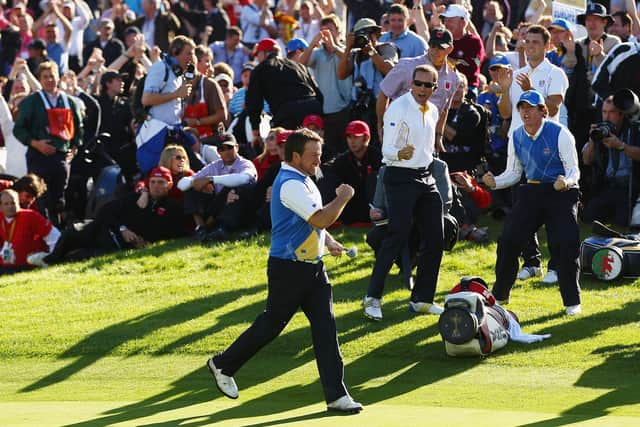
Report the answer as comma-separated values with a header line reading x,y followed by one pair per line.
x,y
357,128
560,24
161,172
531,97
265,45
499,61
441,37
455,11
313,120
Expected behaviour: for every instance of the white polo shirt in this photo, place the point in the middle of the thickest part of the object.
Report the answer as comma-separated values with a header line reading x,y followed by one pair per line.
x,y
547,79
405,123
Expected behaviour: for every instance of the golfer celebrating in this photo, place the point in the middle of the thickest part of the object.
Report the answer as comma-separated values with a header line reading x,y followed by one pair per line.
x,y
296,274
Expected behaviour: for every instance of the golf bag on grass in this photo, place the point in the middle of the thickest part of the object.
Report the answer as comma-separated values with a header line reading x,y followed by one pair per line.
x,y
609,255
473,324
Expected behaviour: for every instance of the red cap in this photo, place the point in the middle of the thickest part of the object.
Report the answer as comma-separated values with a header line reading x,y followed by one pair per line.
x,y
282,136
265,45
161,172
313,119
357,128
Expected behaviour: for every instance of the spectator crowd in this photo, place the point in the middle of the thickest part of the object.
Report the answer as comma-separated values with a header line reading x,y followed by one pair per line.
x,y
126,122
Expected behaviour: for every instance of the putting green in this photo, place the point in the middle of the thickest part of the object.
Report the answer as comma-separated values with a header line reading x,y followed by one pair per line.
x,y
177,390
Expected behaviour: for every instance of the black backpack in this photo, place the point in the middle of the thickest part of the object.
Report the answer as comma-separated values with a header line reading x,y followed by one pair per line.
x,y
139,111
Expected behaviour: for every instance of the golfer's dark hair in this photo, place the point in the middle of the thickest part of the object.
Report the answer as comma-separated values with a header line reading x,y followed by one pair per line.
x,y
425,68
297,141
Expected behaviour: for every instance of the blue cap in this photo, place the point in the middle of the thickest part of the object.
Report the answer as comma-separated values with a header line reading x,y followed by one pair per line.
x,y
561,24
499,61
296,44
531,97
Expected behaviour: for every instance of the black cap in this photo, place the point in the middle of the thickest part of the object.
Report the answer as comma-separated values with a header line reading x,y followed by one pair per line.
x,y
595,9
109,75
441,37
227,139
131,30
37,44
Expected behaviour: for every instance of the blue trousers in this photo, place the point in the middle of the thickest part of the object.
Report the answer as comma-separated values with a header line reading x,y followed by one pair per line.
x,y
539,204
411,198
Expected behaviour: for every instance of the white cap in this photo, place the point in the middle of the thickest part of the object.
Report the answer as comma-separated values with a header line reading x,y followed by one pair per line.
x,y
456,11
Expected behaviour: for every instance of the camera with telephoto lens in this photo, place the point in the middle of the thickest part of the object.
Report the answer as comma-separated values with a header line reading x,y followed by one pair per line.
x,y
601,131
361,38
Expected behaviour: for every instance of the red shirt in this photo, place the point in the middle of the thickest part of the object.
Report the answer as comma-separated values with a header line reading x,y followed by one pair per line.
x,y
468,53
263,166
26,234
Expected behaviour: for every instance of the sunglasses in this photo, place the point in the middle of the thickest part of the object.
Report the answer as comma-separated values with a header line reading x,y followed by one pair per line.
x,y
428,85
225,147
180,157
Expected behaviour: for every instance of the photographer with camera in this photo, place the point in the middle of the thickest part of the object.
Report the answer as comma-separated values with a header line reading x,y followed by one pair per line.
x,y
367,61
612,150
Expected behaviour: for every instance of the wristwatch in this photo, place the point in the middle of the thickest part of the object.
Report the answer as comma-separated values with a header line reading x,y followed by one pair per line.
x,y
198,122
372,52
622,147
123,228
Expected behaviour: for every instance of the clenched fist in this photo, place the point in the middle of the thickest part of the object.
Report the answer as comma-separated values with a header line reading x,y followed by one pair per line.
x,y
489,180
345,191
561,183
406,153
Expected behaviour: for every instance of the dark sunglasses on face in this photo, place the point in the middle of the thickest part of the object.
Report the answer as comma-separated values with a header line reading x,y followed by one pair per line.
x,y
428,85
178,157
225,147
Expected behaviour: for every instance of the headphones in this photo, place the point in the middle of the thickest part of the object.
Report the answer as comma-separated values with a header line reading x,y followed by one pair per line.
x,y
173,65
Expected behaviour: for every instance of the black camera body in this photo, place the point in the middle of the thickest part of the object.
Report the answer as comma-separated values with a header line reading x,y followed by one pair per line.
x,y
601,131
361,38
364,95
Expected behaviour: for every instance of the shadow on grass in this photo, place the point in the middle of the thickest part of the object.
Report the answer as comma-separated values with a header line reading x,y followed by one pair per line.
x,y
103,342
614,373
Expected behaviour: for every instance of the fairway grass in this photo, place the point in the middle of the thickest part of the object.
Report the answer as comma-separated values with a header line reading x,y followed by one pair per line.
x,y
122,340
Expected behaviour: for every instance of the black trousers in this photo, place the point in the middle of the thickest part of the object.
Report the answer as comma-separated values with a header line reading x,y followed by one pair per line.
x,y
611,203
411,198
294,285
291,114
539,204
54,170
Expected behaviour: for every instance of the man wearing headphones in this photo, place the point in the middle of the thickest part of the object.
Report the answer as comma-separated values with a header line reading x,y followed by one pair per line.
x,y
166,87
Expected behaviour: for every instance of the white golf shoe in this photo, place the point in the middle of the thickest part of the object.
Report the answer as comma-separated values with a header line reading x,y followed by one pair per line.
x,y
551,277
226,384
573,310
372,308
424,308
345,404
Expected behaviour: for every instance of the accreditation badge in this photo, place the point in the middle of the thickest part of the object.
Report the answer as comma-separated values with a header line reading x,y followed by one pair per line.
x,y
8,254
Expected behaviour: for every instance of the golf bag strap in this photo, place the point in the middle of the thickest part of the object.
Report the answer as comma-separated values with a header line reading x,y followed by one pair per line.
x,y
477,285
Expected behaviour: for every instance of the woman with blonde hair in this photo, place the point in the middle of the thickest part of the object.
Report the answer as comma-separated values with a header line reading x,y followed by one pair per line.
x,y
173,157
269,153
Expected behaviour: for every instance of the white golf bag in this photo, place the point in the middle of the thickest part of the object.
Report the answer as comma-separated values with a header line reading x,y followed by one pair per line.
x,y
472,324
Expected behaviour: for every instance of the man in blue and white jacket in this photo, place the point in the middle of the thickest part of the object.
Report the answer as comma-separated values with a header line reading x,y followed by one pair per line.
x,y
545,151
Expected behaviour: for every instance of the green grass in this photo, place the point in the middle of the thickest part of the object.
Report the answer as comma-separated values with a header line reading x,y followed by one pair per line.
x,y
122,340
